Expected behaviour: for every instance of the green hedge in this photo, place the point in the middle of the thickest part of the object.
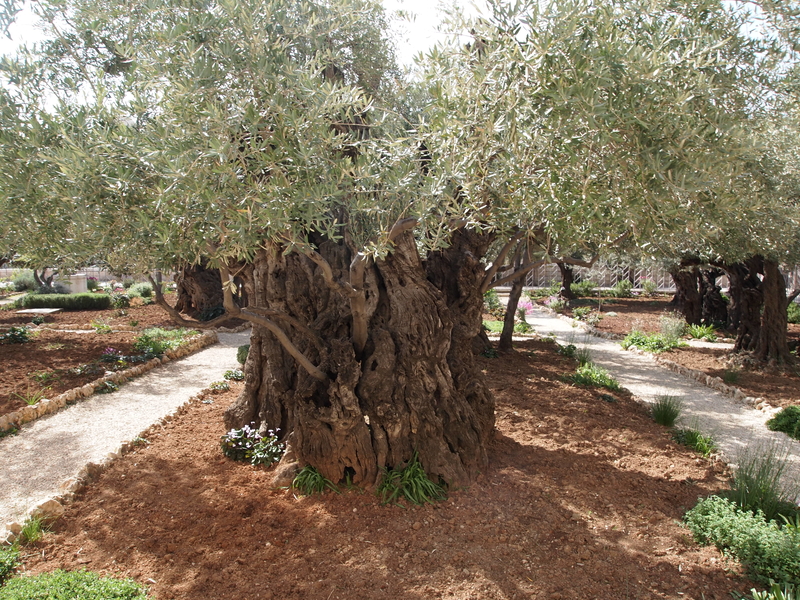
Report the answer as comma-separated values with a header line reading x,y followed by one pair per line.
x,y
66,301
71,585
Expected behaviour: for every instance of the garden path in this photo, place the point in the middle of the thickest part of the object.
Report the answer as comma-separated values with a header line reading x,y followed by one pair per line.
x,y
734,425
38,460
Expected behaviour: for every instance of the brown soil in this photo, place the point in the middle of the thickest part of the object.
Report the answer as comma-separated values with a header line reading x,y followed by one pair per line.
x,y
779,385
582,499
50,360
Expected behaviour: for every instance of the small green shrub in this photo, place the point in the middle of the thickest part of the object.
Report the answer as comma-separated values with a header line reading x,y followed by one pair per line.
x,y
702,332
38,320
622,289
140,290
583,289
33,529
309,481
24,282
692,438
247,444
757,483
569,350
219,386
153,342
543,292
9,557
490,353
100,327
787,421
581,312
128,283
31,396
649,287
731,376
651,342
409,482
492,304
72,585
793,312
666,410
234,375
85,301
767,551
241,353
583,356
92,284
672,325
787,591
590,374
522,327
16,335
120,301
493,326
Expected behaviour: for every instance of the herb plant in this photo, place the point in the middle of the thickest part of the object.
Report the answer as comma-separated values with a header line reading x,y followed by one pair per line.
x,y
589,374
692,438
247,444
309,481
234,375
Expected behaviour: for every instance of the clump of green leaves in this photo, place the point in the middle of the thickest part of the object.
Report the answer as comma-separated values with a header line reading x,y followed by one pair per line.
x,y
651,342
16,335
693,438
409,482
768,551
234,375
309,481
490,353
581,312
522,327
787,591
649,287
120,301
241,353
672,325
219,386
492,304
153,342
100,327
583,289
31,396
247,444
666,410
107,387
702,332
140,290
211,313
758,483
33,529
622,289
787,421
589,374
9,557
793,312
69,585
568,350
38,320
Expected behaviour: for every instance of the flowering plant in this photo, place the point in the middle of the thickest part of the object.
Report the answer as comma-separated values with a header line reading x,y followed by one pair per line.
x,y
247,444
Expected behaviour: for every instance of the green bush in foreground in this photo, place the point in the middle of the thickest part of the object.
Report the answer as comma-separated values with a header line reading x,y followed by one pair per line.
x,y
651,342
66,301
787,421
71,585
589,374
9,557
768,551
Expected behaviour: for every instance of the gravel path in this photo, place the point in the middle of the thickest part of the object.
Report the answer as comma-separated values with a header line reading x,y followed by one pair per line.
x,y
733,425
47,452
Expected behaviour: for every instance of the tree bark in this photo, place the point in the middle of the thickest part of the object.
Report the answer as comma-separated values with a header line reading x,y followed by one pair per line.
x,y
772,345
506,336
714,307
687,297
414,388
744,310
199,289
567,279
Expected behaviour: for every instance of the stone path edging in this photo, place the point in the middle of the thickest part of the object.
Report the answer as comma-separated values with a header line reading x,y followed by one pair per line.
x,y
26,414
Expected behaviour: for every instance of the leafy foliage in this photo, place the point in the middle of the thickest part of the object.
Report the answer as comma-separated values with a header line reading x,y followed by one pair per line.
x,y
219,386
153,342
651,342
234,375
666,410
16,335
241,354
69,585
9,557
85,301
140,290
649,287
672,325
768,551
247,444
409,482
693,438
787,421
120,300
787,591
583,289
702,332
33,529
589,374
309,481
622,289
793,312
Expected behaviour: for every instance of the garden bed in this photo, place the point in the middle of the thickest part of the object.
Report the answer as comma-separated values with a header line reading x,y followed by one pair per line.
x,y
582,499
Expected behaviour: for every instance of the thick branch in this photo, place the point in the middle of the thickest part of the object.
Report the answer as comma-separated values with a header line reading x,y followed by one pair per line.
x,y
791,297
493,268
327,273
401,226
518,273
577,262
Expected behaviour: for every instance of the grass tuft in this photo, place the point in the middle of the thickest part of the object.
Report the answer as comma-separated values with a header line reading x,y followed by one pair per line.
x,y
589,374
309,481
692,438
666,410
409,482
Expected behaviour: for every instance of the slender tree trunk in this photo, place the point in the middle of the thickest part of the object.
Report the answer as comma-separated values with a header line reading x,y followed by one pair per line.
x,y
416,386
506,337
772,344
567,279
687,297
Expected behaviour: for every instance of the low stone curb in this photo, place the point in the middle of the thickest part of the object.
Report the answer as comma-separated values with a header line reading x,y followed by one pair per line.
x,y
46,406
52,508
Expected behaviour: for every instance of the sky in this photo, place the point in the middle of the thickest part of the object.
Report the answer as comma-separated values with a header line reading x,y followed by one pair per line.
x,y
412,36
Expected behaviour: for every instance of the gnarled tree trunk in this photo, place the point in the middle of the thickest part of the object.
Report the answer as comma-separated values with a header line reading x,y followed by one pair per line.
x,y
772,345
687,297
744,310
567,279
199,289
714,307
414,387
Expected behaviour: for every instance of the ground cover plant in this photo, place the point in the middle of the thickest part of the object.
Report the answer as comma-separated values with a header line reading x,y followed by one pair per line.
x,y
693,438
63,585
86,301
409,482
651,342
573,479
665,410
787,421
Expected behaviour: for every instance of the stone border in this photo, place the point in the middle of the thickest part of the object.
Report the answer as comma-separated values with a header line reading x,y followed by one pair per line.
x,y
16,419
53,508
